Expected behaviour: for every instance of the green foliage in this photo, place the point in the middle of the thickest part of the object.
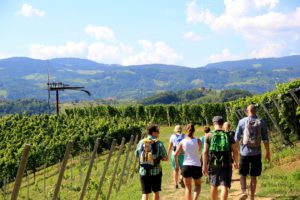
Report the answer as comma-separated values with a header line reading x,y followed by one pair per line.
x,y
197,95
49,134
30,106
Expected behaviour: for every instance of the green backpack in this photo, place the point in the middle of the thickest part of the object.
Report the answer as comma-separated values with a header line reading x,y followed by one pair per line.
x,y
219,149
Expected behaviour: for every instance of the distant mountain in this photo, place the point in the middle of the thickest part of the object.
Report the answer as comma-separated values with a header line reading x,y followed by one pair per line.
x,y
26,78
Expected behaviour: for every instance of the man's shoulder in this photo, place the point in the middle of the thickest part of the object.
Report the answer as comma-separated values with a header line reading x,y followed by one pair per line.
x,y
208,136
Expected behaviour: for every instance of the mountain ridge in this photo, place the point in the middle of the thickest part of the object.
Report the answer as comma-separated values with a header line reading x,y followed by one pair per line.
x,y
23,77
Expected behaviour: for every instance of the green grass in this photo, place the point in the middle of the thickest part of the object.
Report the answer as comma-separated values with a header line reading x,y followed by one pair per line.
x,y
3,93
35,77
281,178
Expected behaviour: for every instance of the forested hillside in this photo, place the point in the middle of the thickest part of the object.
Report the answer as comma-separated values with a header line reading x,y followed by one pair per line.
x,y
26,78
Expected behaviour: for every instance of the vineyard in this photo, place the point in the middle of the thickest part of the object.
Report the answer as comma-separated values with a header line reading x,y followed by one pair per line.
x,y
93,129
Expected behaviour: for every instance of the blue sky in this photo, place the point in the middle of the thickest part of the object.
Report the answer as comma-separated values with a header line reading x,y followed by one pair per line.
x,y
190,33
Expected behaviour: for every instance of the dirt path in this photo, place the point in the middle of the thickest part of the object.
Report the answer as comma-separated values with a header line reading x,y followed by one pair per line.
x,y
235,190
170,193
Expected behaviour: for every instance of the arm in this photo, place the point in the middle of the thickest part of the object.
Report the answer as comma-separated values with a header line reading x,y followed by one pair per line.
x,y
234,155
170,148
199,144
268,154
179,148
205,157
265,138
163,154
238,132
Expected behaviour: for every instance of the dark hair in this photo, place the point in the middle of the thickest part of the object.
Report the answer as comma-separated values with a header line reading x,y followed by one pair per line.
x,y
190,129
206,129
152,128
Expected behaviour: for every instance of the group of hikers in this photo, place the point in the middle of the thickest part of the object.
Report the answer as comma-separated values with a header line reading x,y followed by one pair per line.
x,y
219,154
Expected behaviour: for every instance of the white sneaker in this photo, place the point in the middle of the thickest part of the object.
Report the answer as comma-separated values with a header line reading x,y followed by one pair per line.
x,y
243,196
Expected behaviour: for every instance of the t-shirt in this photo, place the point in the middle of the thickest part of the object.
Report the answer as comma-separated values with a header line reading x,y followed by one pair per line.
x,y
208,138
244,149
173,141
191,152
162,153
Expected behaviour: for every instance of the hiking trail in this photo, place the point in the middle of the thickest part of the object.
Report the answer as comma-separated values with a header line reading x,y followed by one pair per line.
x,y
170,193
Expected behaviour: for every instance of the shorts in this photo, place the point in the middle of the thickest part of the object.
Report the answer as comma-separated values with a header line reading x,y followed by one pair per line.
x,y
250,165
180,161
151,183
191,171
220,176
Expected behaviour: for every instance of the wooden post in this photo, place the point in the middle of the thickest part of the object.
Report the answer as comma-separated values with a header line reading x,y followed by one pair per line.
x,y
80,167
295,97
87,178
115,169
240,114
4,187
62,170
131,157
272,119
136,161
125,163
71,171
237,114
20,172
227,113
276,104
112,148
57,102
45,192
27,180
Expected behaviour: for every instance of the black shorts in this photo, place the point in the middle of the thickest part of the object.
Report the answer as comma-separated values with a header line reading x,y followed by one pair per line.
x,y
191,171
151,183
220,176
250,165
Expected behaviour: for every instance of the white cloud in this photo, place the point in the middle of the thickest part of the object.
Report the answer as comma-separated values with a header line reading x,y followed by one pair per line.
x,y
196,15
70,49
266,3
29,11
3,56
107,53
269,50
100,32
191,36
224,56
239,16
158,52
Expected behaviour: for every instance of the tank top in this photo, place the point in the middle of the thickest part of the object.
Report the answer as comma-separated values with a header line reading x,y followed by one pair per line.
x,y
191,152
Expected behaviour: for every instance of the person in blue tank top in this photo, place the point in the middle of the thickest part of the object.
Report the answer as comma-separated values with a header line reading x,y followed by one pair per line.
x,y
175,139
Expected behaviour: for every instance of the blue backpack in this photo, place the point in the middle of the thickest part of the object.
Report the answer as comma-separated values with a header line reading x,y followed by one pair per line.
x,y
178,139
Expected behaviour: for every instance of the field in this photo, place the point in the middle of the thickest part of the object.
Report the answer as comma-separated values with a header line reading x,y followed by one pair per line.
x,y
273,184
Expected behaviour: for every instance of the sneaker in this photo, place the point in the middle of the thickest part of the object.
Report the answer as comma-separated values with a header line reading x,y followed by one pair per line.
x,y
176,186
243,196
181,183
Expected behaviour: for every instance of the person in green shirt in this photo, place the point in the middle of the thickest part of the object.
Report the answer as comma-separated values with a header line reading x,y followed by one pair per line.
x,y
150,152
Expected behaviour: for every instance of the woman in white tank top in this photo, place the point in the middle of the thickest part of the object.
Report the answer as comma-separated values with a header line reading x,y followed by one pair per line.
x,y
191,164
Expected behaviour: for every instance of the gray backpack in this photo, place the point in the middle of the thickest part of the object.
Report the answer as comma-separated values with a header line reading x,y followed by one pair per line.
x,y
252,133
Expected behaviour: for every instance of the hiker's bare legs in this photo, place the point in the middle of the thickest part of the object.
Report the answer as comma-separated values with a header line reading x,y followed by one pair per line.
x,y
197,189
243,184
145,196
253,186
156,196
188,188
176,175
224,192
214,193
